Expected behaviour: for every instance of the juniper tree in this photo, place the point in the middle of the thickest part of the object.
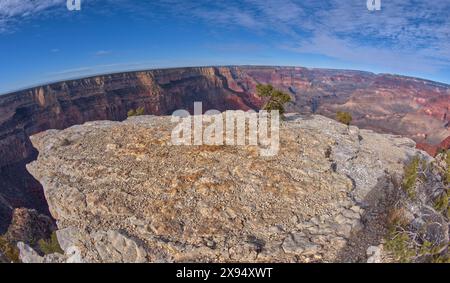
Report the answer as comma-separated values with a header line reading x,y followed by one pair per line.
x,y
276,98
138,112
344,117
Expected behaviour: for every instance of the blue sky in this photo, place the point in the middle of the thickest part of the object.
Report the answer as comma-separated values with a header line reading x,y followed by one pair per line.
x,y
41,41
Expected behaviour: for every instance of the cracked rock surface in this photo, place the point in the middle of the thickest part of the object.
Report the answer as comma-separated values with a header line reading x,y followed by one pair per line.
x,y
120,192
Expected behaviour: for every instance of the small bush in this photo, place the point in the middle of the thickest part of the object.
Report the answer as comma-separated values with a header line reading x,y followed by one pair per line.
x,y
397,217
447,171
9,250
428,249
138,112
277,98
410,177
412,244
131,113
405,250
344,117
50,246
441,203
445,258
399,245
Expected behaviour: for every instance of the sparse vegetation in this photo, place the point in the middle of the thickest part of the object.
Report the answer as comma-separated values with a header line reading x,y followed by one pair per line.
x,y
50,246
445,258
399,245
397,217
397,241
405,246
344,117
9,250
447,171
410,177
441,203
277,98
136,112
410,244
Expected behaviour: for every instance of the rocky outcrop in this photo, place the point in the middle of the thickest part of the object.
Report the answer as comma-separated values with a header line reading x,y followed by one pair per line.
x,y
433,150
120,192
385,103
27,225
108,97
419,219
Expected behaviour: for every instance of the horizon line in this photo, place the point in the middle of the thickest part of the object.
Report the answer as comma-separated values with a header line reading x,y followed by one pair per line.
x,y
71,79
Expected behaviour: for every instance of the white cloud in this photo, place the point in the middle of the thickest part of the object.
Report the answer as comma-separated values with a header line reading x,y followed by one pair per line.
x,y
406,35
390,60
12,8
12,11
103,52
94,69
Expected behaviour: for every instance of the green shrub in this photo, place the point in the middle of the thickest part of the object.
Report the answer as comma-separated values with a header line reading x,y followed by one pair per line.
x,y
399,245
428,249
344,117
51,245
138,112
9,250
411,245
447,171
441,203
277,98
445,258
404,250
131,113
410,177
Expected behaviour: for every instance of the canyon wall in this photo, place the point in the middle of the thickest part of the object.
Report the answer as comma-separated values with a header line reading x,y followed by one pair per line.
x,y
415,108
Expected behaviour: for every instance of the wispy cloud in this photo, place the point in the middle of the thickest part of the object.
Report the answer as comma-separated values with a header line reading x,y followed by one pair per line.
x,y
406,35
13,11
103,52
96,69
381,58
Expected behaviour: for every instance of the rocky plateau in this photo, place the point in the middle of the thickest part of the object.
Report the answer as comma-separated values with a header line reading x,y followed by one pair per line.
x,y
121,192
